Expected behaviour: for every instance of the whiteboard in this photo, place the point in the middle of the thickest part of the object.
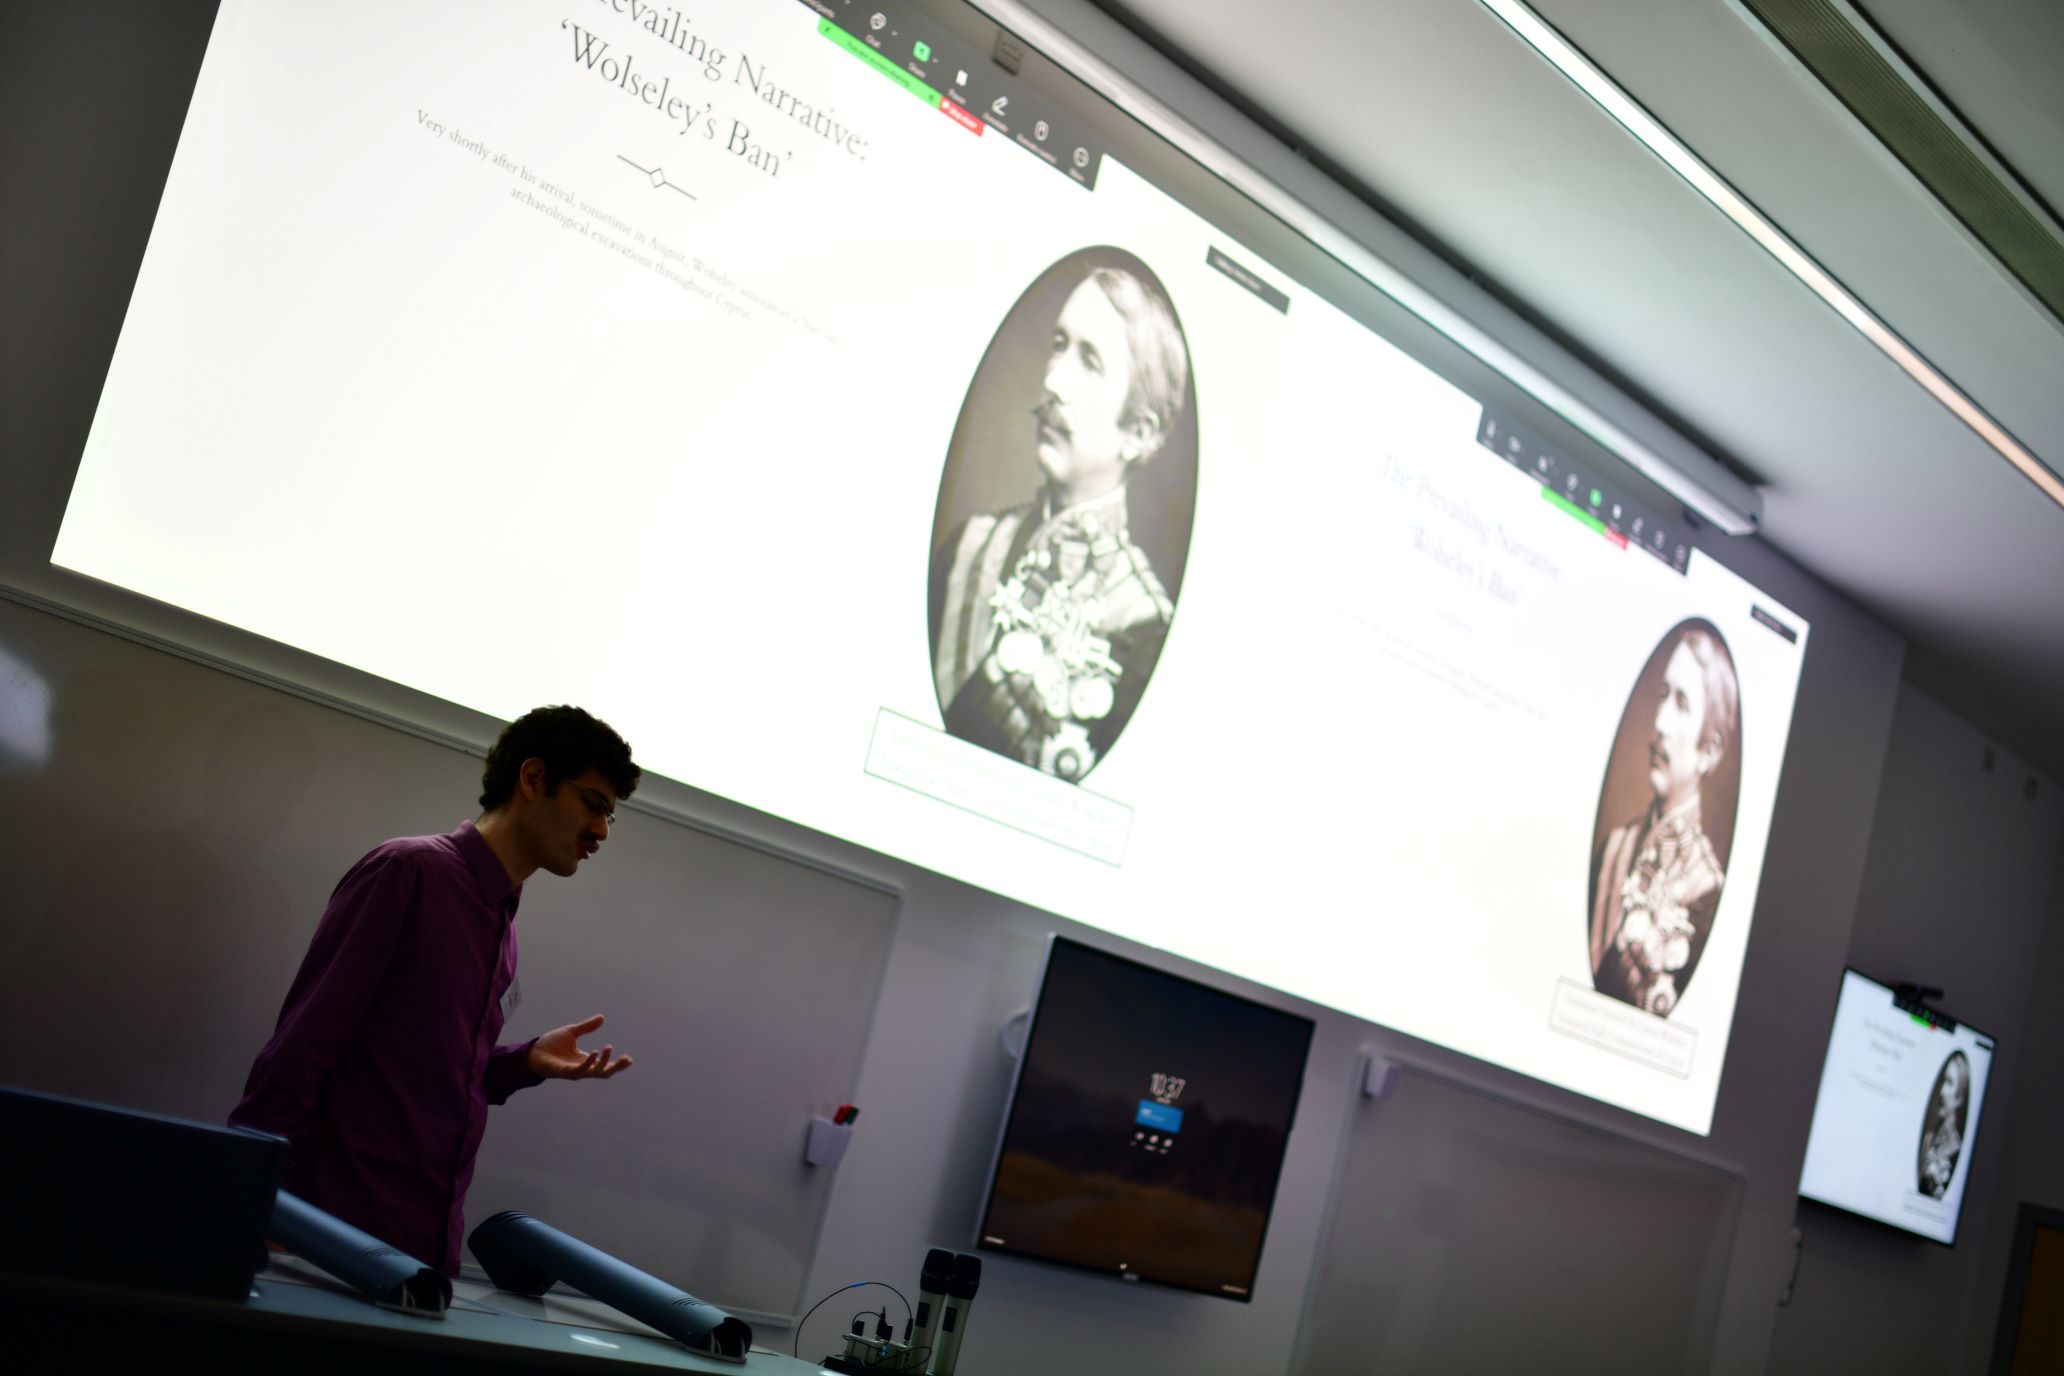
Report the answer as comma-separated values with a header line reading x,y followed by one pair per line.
x,y
172,833
1594,1252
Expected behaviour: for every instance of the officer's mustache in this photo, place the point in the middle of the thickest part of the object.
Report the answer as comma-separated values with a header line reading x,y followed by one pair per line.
x,y
1048,414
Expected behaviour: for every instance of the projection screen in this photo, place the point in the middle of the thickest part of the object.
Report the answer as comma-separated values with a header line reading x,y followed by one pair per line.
x,y
886,432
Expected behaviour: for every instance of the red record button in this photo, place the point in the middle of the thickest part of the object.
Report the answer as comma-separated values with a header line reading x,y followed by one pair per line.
x,y
960,117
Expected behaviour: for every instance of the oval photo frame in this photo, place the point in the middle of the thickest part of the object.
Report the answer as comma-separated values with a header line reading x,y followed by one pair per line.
x,y
1046,620
1657,870
1942,1126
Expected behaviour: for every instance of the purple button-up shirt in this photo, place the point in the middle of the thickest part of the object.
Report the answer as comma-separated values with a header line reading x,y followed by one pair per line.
x,y
384,1061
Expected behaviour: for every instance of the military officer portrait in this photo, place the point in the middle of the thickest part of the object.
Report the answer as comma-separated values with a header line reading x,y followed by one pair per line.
x,y
1063,520
1942,1127
1666,821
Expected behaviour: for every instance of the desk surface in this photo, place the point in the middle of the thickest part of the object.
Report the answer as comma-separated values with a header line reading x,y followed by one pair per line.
x,y
295,1304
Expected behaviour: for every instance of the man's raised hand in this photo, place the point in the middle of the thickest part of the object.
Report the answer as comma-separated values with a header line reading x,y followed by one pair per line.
x,y
557,1055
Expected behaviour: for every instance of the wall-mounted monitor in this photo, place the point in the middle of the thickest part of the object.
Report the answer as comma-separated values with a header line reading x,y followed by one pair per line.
x,y
1146,1127
1897,1115
885,430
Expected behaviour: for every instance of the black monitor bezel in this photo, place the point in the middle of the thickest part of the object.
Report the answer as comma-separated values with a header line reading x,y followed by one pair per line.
x,y
1891,992
1010,1107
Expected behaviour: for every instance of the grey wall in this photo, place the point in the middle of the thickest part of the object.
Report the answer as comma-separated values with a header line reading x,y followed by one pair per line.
x,y
172,833
1957,893
159,887
1449,1194
2031,1158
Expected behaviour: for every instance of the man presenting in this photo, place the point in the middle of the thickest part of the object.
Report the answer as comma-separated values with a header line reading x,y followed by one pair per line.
x,y
1658,879
1048,617
383,1064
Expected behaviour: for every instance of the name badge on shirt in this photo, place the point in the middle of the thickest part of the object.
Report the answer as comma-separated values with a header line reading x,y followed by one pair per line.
x,y
512,997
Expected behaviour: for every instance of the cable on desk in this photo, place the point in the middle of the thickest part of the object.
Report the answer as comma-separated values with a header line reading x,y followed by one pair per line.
x,y
797,1349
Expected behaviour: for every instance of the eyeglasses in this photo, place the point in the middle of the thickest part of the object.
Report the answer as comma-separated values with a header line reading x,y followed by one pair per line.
x,y
597,804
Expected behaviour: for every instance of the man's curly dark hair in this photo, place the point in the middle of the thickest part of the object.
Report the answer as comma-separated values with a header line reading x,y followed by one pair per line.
x,y
569,741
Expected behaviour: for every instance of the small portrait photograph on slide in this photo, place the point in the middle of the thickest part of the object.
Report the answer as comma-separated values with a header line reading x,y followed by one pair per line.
x,y
1942,1127
1665,821
1063,522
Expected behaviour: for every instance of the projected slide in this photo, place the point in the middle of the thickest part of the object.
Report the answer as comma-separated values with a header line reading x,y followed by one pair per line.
x,y
827,407
1897,1112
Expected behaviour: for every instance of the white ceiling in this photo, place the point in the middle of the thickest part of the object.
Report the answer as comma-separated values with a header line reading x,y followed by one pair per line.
x,y
1473,139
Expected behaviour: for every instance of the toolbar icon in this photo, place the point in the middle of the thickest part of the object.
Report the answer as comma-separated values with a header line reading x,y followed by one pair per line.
x,y
921,50
1082,157
1039,130
960,79
1000,104
877,21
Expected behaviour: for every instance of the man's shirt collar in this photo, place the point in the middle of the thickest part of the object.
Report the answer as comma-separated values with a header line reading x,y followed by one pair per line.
x,y
485,865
